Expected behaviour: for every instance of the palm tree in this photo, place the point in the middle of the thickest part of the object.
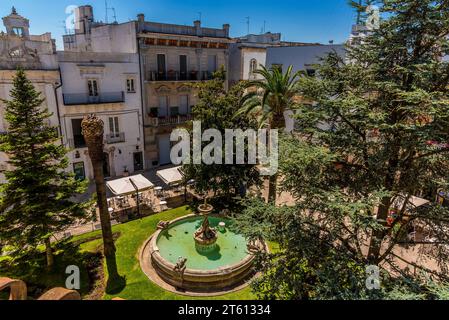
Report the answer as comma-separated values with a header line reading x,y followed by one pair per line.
x,y
268,99
93,130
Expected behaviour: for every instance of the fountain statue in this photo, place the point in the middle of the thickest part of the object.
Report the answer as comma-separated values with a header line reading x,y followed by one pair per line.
x,y
205,237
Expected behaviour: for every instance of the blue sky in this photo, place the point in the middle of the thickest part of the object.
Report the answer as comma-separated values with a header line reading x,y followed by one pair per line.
x,y
297,20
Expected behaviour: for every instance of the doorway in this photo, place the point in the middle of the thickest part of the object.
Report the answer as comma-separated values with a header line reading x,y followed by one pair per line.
x,y
138,161
106,169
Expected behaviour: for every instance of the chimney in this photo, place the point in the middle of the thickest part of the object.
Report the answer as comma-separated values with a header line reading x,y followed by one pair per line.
x,y
226,28
140,22
197,24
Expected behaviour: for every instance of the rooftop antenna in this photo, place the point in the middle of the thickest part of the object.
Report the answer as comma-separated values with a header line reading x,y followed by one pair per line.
x,y
64,25
200,14
248,22
106,10
264,26
114,15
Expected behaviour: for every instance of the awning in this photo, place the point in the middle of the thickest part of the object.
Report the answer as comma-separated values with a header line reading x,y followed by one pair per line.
x,y
124,186
171,176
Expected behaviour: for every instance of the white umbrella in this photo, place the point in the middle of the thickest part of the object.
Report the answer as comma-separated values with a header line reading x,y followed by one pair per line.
x,y
170,176
124,186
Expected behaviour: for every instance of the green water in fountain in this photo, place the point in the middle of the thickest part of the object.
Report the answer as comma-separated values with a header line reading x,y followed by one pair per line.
x,y
177,241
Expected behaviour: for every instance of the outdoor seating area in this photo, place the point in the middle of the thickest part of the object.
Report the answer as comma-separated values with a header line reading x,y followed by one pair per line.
x,y
137,196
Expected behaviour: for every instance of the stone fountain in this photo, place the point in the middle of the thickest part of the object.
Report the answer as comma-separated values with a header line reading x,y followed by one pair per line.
x,y
205,237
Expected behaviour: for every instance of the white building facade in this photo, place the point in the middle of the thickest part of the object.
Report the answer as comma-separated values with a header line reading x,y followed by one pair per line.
x,y
101,75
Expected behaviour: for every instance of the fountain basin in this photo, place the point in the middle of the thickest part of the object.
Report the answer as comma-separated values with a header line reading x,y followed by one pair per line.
x,y
227,265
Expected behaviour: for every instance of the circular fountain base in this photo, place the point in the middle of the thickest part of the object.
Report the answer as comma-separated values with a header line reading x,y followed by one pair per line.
x,y
228,265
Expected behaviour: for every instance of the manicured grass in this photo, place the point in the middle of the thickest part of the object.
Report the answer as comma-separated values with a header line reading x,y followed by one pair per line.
x,y
132,236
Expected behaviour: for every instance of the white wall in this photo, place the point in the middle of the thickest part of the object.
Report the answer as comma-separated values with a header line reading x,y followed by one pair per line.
x,y
111,71
301,56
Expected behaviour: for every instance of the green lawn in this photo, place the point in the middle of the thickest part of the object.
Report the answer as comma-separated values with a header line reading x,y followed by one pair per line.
x,y
132,236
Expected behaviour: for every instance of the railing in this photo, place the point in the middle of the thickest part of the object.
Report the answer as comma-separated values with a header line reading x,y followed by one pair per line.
x,y
169,121
112,138
178,76
84,98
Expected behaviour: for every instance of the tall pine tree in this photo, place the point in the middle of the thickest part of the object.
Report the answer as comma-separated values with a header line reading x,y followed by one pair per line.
x,y
37,200
386,106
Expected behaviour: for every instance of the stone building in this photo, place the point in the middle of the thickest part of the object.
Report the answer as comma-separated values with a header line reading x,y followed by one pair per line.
x,y
101,75
172,57
36,54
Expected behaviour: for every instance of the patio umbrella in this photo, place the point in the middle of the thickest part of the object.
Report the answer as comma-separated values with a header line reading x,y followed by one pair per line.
x,y
171,176
127,186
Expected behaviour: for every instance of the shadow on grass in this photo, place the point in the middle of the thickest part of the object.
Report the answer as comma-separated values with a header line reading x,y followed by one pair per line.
x,y
30,266
115,283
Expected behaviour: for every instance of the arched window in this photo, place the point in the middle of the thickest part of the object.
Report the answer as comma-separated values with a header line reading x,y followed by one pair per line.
x,y
252,67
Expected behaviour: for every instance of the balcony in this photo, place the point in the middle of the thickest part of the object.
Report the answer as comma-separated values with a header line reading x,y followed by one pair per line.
x,y
178,76
71,99
112,138
169,121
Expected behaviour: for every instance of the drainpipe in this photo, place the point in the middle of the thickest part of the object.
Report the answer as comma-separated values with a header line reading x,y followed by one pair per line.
x,y
142,95
57,104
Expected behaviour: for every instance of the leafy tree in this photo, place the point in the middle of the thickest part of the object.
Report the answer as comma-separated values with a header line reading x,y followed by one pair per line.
x,y
269,99
37,200
376,136
215,110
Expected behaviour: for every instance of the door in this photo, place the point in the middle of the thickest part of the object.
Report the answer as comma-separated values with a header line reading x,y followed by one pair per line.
x,y
163,107
138,161
78,138
161,69
164,149
106,169
184,104
183,67
212,63
79,171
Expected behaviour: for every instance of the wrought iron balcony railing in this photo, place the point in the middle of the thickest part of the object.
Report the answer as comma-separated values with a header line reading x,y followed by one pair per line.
x,y
85,98
112,138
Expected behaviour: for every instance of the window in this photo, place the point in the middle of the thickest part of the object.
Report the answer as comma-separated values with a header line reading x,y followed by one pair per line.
x,y
114,127
130,85
184,104
163,106
161,63
252,67
92,85
78,138
212,63
18,31
78,169
183,67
